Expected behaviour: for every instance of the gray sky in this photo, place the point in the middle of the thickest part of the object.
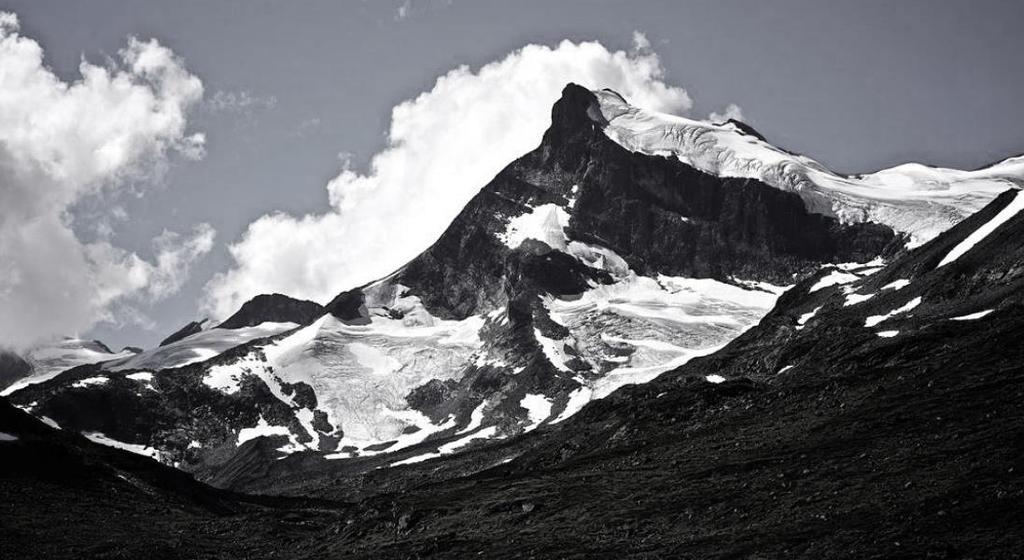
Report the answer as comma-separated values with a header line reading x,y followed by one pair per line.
x,y
856,85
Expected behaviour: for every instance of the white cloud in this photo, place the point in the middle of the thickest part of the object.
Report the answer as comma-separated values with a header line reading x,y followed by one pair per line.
x,y
732,111
62,142
443,146
242,102
640,42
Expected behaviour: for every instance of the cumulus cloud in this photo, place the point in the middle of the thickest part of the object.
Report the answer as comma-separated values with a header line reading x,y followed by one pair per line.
x,y
732,111
443,146
63,142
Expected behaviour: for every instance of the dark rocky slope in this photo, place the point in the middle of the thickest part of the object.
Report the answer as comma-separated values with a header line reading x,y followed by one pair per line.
x,y
276,308
907,446
867,447
186,331
12,368
66,497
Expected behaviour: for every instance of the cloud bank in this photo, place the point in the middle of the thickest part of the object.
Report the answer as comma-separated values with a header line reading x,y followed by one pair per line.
x,y
62,142
443,146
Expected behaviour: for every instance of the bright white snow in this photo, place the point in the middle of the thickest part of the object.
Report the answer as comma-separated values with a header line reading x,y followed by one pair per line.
x,y
196,348
715,378
1004,215
897,284
51,359
138,449
476,418
450,447
90,381
538,407
543,223
916,199
802,321
261,429
6,437
972,316
887,334
638,328
876,319
854,299
832,279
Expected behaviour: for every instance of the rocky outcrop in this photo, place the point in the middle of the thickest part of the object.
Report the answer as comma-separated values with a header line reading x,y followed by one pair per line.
x,y
275,308
12,368
188,330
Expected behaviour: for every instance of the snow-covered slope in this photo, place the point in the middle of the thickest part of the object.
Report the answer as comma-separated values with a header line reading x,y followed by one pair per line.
x,y
197,347
49,360
915,199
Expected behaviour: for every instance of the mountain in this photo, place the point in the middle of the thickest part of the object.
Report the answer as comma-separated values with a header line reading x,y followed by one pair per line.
x,y
872,413
580,268
590,263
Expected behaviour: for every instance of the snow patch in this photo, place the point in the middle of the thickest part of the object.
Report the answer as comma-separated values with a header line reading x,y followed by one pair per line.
x,y
577,400
538,407
6,437
897,284
196,348
91,381
972,316
554,350
544,223
1004,215
833,278
714,378
876,319
854,299
451,447
887,334
475,419
261,429
801,322
136,448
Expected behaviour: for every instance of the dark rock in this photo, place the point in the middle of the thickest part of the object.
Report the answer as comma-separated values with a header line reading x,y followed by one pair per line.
x,y
186,331
275,308
350,307
12,368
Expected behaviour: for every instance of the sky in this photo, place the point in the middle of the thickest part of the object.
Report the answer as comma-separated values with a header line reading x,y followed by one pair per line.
x,y
307,147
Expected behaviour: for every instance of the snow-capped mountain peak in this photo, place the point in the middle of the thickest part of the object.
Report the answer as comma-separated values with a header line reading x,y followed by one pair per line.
x,y
914,199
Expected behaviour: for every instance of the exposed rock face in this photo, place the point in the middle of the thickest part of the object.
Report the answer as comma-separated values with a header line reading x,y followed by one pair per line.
x,y
12,368
274,308
188,330
659,214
